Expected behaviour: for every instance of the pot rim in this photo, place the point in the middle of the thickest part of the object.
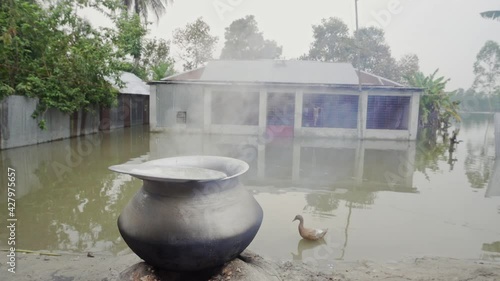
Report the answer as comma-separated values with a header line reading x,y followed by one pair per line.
x,y
203,164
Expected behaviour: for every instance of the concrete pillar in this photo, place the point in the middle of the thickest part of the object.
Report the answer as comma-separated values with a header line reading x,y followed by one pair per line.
x,y
413,120
262,111
362,114
153,100
299,101
207,110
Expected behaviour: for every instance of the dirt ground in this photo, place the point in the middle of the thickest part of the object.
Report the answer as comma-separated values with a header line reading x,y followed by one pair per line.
x,y
248,267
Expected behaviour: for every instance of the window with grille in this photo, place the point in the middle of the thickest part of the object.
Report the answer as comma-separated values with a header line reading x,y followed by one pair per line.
x,y
181,117
330,111
388,112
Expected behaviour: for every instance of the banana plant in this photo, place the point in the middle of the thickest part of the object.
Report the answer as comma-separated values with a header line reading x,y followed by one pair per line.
x,y
436,106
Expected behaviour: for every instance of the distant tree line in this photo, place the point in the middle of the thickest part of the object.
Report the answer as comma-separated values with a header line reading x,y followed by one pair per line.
x,y
484,94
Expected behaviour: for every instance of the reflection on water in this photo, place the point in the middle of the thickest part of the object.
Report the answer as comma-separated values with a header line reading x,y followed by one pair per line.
x,y
66,197
379,199
491,251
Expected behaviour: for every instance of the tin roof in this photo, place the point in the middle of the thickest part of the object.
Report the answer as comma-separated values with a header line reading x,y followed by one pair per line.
x,y
281,71
372,79
133,85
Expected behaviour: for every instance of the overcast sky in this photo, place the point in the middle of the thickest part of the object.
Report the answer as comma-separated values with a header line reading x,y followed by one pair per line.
x,y
445,34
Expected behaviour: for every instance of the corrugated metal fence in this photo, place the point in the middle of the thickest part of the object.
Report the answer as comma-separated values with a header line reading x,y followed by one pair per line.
x,y
18,128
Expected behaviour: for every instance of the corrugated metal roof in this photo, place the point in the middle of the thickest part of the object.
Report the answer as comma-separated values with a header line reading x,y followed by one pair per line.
x,y
279,71
194,74
133,85
290,72
372,79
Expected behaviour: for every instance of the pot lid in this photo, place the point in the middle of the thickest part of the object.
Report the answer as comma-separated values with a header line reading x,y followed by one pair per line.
x,y
146,171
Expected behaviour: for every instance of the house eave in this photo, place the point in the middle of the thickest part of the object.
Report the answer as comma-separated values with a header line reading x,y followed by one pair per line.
x,y
364,87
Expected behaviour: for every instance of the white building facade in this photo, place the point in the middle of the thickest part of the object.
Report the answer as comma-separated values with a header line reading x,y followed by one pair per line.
x,y
285,99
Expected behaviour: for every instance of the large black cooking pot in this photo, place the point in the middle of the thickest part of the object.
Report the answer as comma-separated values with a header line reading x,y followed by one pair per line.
x,y
191,213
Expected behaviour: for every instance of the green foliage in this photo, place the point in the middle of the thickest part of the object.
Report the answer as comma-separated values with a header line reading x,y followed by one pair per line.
x,y
366,49
332,42
436,106
162,70
155,56
371,53
196,43
245,41
130,34
56,56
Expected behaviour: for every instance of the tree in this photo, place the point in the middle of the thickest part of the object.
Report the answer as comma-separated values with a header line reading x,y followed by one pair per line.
x,y
487,69
332,42
142,7
130,35
371,53
407,66
57,57
366,49
245,41
436,106
196,43
155,58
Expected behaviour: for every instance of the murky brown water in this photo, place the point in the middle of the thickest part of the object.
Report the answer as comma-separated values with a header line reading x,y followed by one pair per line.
x,y
381,200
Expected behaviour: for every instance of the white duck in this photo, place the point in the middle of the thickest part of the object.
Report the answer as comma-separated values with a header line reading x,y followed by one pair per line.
x,y
309,233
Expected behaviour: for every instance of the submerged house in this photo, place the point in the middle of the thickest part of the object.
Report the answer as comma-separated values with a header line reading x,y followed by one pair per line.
x,y
284,98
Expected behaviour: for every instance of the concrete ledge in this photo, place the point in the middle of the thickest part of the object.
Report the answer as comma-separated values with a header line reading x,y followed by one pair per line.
x,y
326,132
388,135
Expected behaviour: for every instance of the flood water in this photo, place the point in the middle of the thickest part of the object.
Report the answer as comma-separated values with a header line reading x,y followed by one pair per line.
x,y
380,200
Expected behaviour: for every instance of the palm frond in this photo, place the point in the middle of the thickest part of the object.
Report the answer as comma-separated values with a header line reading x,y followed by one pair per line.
x,y
494,15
